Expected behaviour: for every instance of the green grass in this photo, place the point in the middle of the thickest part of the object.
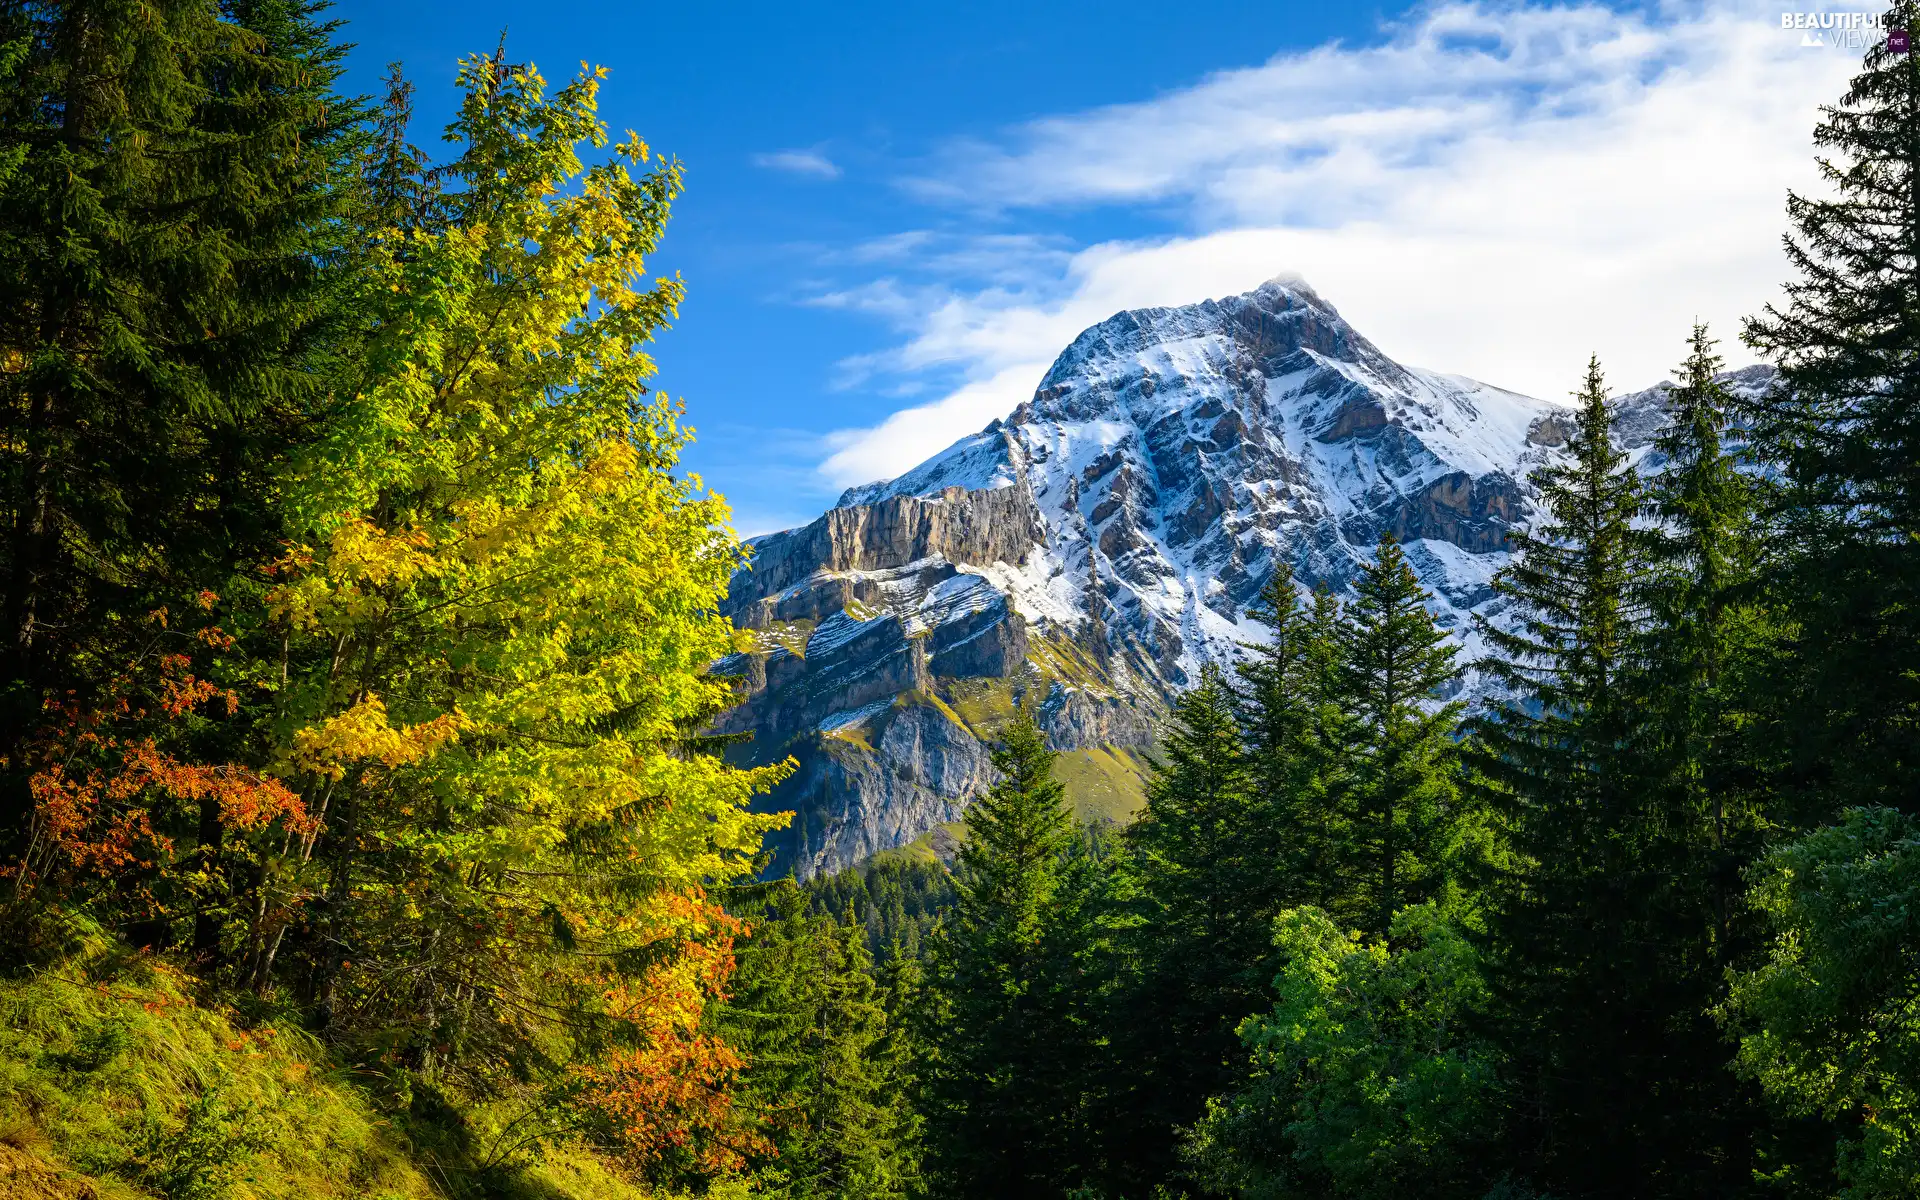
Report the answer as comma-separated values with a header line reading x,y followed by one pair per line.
x,y
116,1083
1103,783
927,849
983,705
1059,657
118,1079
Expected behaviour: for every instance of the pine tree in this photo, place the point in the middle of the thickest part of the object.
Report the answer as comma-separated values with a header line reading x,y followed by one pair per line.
x,y
1843,430
1002,1077
1400,747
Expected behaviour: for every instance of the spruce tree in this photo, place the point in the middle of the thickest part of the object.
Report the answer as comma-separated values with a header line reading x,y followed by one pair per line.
x,y
170,310
1571,588
1285,700
1594,951
1002,1077
1699,823
176,181
825,1080
1400,746
1205,876
1843,432
1555,753
1704,631
1836,731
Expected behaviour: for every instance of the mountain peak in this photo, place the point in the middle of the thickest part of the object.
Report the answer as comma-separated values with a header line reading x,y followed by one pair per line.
x,y
1090,552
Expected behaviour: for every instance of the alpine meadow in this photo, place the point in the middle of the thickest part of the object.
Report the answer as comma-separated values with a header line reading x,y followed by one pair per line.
x,y
1249,768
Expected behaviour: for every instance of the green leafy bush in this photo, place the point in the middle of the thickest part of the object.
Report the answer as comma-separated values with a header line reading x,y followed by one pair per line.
x,y
1830,1022
1366,1080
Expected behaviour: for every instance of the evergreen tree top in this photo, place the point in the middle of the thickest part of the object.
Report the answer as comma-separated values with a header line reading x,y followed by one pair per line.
x,y
1394,652
1571,580
1016,834
1843,425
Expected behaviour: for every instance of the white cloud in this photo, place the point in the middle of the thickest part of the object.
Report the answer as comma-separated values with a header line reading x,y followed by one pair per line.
x,y
1495,191
799,162
913,434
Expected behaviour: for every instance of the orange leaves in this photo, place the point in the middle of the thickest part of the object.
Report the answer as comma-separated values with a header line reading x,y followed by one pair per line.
x,y
181,692
76,825
670,1097
674,1096
362,735
98,819
246,799
107,799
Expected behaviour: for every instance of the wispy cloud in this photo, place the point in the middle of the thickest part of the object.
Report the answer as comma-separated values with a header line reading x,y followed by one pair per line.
x,y
799,162
1492,189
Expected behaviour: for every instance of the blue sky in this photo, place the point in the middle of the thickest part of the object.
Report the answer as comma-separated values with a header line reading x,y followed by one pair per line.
x,y
896,213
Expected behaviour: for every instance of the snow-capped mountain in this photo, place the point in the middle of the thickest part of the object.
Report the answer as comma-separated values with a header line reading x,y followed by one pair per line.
x,y
1090,551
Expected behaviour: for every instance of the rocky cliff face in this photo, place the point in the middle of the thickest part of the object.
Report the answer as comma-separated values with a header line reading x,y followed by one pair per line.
x,y
1086,555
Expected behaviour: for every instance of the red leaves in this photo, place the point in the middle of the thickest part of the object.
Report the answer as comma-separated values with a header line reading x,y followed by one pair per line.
x,y
76,826
182,693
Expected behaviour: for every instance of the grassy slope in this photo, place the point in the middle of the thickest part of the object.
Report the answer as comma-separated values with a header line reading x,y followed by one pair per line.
x,y
116,1085
1104,783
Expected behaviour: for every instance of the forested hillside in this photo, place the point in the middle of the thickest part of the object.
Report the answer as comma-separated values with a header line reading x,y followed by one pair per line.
x,y
368,825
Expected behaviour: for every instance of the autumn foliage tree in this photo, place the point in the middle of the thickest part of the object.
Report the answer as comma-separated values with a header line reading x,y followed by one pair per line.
x,y
498,616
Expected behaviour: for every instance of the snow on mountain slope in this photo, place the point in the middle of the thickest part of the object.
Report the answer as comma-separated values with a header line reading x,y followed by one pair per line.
x,y
1198,447
1093,549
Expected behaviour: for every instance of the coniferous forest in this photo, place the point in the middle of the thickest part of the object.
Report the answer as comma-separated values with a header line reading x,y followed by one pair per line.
x,y
363,834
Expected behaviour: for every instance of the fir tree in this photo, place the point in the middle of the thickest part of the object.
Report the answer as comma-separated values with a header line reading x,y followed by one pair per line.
x,y
897,901
1395,663
1843,429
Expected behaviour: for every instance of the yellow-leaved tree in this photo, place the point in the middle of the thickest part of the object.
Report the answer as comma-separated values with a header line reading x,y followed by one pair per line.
x,y
496,626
